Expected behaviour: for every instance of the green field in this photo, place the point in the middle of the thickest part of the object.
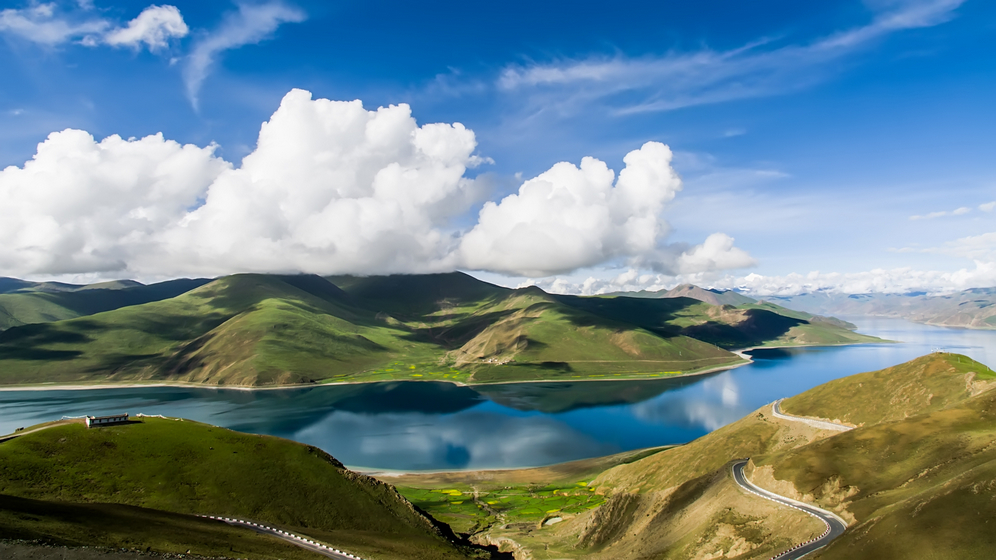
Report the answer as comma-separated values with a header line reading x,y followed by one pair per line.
x,y
269,330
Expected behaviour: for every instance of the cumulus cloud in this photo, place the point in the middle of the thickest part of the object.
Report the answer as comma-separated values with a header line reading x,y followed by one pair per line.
x,y
334,188
250,24
154,27
988,207
84,206
571,217
717,253
330,188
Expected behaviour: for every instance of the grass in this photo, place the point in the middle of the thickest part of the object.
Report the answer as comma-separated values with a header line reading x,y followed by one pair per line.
x,y
932,382
117,526
468,510
471,501
188,468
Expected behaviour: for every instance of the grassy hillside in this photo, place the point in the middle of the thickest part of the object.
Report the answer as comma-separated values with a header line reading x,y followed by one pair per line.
x,y
267,330
238,330
27,303
930,383
191,468
920,487
915,481
114,526
751,324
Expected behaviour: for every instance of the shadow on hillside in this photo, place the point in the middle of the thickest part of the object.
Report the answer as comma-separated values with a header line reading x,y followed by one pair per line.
x,y
651,314
28,342
760,326
456,335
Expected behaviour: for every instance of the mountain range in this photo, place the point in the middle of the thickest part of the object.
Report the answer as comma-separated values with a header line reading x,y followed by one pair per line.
x,y
275,330
974,308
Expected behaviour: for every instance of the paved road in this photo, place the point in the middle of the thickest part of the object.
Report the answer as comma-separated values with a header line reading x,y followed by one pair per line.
x,y
835,525
300,541
776,411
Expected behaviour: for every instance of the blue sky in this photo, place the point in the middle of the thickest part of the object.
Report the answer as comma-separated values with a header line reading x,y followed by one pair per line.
x,y
850,138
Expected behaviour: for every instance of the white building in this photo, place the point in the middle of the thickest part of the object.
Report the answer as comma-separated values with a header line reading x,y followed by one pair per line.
x,y
92,421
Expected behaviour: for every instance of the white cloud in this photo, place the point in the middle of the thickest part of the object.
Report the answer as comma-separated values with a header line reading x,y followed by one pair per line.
x,y
716,253
956,212
155,26
330,188
899,280
41,24
676,80
250,24
334,188
571,217
46,25
82,206
988,207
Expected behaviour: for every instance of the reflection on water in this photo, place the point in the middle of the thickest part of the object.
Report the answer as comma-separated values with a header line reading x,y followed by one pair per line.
x,y
432,426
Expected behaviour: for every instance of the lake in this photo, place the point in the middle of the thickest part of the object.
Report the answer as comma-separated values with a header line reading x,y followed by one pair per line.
x,y
439,426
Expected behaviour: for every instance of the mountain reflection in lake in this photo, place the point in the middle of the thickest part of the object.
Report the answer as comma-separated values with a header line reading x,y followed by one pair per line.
x,y
435,426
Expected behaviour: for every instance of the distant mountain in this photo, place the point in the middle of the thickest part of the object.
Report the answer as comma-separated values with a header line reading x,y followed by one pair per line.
x,y
708,295
975,308
266,330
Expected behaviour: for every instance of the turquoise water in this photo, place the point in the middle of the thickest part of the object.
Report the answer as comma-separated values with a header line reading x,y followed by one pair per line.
x,y
438,426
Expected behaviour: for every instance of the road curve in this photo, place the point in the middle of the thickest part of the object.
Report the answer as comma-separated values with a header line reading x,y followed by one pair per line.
x,y
297,540
835,525
776,411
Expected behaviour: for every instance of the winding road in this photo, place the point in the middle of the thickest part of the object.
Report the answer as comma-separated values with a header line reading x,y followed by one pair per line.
x,y
300,541
776,411
835,526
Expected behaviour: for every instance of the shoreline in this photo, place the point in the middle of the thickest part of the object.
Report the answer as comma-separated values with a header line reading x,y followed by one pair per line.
x,y
56,387
740,352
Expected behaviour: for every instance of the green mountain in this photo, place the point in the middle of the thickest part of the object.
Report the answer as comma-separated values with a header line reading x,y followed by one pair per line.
x,y
914,479
164,471
266,330
23,303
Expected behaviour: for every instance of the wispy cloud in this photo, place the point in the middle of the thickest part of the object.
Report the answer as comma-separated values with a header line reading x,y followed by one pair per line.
x,y
46,24
676,80
956,212
250,24
988,207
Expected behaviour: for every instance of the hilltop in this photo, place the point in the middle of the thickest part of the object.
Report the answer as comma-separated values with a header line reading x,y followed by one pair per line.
x,y
276,330
913,479
106,486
